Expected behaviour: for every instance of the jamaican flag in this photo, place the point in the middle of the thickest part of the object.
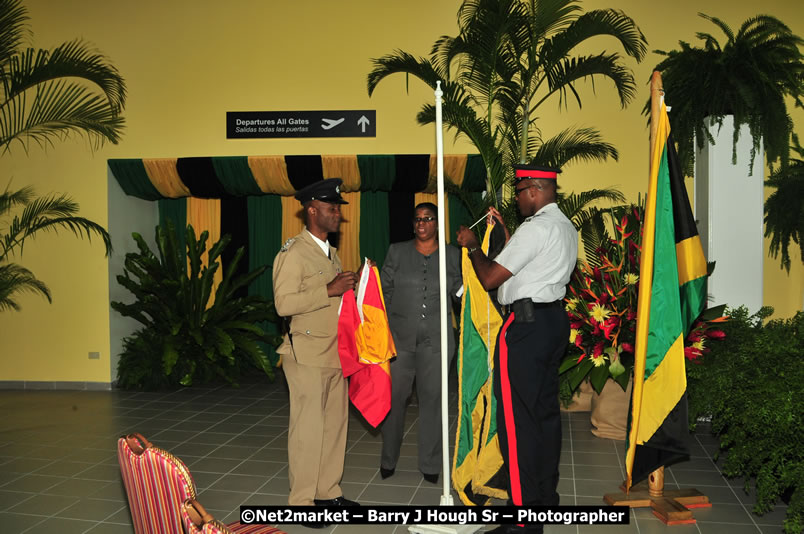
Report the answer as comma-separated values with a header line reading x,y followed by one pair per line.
x,y
477,472
672,294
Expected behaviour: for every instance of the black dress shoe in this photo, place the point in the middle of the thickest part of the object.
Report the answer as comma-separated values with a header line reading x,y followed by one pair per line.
x,y
385,473
337,501
431,477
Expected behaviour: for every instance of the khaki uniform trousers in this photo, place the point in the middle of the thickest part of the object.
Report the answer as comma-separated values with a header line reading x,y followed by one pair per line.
x,y
319,411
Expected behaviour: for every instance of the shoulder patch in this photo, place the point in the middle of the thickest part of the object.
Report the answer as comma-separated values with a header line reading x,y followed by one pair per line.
x,y
287,244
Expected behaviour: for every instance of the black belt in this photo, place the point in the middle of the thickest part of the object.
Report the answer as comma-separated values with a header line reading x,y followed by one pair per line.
x,y
525,309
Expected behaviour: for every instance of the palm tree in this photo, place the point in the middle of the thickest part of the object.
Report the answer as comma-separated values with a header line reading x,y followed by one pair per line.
x,y
48,95
509,58
749,76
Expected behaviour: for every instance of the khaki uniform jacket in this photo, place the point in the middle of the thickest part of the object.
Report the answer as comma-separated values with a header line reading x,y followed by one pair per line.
x,y
301,274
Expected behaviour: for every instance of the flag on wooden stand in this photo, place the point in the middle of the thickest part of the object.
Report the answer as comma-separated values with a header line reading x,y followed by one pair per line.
x,y
672,294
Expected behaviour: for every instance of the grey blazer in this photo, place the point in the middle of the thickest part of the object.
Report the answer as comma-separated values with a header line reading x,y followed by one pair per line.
x,y
410,288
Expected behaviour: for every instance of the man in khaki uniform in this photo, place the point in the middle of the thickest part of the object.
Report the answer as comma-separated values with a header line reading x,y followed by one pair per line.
x,y
308,284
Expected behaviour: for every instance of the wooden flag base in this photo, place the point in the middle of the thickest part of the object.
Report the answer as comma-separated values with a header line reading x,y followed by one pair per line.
x,y
672,507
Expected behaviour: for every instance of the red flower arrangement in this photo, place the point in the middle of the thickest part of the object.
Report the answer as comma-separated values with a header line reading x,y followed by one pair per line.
x,y
601,304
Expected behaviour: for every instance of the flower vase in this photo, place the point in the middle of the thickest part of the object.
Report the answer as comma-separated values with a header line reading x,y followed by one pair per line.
x,y
610,410
582,400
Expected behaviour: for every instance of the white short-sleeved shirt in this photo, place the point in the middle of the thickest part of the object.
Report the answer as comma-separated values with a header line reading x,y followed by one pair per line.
x,y
541,256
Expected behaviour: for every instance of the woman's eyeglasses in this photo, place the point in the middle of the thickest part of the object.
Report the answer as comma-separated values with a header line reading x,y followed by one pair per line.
x,y
417,220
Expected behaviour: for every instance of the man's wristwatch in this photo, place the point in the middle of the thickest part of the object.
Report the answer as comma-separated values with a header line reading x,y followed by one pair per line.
x,y
471,250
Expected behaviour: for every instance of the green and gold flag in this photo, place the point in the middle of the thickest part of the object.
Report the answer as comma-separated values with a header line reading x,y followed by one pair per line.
x,y
672,294
477,462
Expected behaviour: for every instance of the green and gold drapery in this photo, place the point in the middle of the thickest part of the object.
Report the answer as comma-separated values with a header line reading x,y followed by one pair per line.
x,y
215,177
255,196
387,187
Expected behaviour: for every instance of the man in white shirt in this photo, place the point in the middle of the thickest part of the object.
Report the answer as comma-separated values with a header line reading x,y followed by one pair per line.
x,y
532,273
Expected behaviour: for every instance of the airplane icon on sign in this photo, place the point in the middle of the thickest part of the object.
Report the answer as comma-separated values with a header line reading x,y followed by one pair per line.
x,y
328,124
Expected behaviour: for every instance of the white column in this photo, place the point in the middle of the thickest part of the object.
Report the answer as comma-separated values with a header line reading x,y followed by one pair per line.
x,y
729,212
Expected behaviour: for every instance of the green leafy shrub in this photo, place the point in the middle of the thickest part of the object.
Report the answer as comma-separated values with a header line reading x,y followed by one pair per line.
x,y
185,339
752,385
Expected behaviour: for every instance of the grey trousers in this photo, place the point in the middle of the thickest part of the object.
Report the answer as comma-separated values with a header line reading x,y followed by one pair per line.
x,y
423,365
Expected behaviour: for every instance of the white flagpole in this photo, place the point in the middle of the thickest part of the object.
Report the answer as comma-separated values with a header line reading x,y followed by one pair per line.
x,y
446,497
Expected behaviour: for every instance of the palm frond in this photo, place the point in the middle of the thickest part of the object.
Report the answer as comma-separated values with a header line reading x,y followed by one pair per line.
x,y
595,23
13,28
594,234
74,59
55,110
14,280
574,204
548,16
565,73
46,214
571,145
402,62
444,52
9,199
51,93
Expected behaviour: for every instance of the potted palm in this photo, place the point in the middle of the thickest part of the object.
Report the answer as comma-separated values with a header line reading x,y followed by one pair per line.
x,y
510,58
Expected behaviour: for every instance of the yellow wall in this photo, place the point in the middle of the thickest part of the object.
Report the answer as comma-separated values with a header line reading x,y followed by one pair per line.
x,y
188,62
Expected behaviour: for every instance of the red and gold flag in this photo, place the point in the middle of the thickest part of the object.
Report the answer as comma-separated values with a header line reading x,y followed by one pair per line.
x,y
366,347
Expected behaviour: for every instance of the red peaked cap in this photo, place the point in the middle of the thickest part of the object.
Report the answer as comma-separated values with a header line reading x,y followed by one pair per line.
x,y
524,172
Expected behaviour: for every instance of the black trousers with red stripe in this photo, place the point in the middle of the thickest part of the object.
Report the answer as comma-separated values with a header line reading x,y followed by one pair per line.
x,y
526,363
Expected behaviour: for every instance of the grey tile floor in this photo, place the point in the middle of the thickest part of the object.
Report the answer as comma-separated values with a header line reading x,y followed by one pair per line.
x,y
59,473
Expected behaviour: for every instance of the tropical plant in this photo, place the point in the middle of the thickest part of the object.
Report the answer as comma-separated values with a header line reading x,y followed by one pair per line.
x,y
38,215
49,94
186,337
509,58
749,76
784,208
751,384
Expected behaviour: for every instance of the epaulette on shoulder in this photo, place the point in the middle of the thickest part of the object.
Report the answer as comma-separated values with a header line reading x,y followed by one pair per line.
x,y
287,244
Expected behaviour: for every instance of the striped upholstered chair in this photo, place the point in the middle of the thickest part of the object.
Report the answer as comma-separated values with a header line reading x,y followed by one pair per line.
x,y
159,485
198,521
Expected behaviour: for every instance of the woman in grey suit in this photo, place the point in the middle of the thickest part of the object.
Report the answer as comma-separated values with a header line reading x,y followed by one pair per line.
x,y
410,285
